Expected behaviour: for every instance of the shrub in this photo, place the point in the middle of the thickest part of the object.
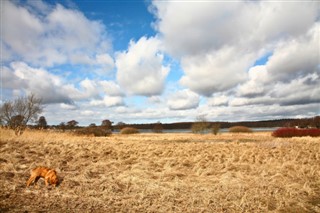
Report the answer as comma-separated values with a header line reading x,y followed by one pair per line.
x,y
157,128
94,131
238,129
129,130
215,128
201,125
294,132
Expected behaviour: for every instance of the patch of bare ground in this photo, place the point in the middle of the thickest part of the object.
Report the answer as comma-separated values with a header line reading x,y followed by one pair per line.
x,y
161,173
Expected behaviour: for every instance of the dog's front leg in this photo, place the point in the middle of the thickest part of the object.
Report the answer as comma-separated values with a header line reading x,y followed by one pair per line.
x,y
31,179
46,182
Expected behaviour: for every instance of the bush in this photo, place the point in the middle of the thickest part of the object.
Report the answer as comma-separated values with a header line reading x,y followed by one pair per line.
x,y
129,130
201,125
238,129
294,132
94,131
157,128
215,129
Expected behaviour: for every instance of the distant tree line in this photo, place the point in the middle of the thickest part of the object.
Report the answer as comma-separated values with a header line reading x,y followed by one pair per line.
x,y
17,115
301,123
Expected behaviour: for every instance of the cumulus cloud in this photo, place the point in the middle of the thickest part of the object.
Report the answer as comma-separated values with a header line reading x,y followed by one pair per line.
x,y
39,81
105,59
304,57
290,76
215,72
68,106
87,112
61,35
218,42
184,99
208,26
54,89
140,69
300,91
10,80
111,88
89,88
108,101
221,100
257,83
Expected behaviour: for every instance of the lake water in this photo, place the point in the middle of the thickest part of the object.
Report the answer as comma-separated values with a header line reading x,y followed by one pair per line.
x,y
220,131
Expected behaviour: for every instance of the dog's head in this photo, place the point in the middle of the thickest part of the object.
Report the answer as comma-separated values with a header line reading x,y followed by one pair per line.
x,y
52,177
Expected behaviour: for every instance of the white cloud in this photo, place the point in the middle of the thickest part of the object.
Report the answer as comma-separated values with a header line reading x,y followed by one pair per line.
x,y
10,80
68,106
87,112
56,37
300,91
215,72
256,85
105,60
54,89
290,76
218,42
90,88
39,6
155,100
39,81
296,58
183,100
207,26
140,69
221,100
108,101
111,88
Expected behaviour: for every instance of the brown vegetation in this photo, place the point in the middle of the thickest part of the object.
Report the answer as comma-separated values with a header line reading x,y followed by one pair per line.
x,y
161,173
129,130
97,131
237,129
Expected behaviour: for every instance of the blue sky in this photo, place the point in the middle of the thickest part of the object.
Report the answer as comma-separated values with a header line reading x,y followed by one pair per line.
x,y
167,61
125,20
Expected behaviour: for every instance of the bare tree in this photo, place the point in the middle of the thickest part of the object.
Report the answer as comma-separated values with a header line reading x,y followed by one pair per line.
x,y
201,125
17,113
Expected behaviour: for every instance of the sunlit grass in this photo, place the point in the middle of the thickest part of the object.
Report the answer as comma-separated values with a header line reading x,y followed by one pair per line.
x,y
162,172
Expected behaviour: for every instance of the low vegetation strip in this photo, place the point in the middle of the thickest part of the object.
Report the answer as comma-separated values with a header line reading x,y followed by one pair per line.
x,y
129,130
238,129
295,132
161,173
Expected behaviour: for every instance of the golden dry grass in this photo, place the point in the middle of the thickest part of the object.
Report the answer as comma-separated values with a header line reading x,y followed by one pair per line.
x,y
161,173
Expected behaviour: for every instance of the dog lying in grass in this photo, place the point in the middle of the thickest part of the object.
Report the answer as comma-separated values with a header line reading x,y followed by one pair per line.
x,y
49,175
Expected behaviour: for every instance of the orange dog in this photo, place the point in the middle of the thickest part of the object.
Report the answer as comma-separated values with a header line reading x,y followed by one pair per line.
x,y
49,175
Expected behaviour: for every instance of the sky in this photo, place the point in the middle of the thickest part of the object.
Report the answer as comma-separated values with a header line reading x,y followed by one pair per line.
x,y
164,61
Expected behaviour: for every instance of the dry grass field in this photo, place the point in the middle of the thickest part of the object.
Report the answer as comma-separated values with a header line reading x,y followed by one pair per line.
x,y
161,173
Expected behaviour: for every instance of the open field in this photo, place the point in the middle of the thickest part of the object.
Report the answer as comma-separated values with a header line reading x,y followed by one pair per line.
x,y
161,173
